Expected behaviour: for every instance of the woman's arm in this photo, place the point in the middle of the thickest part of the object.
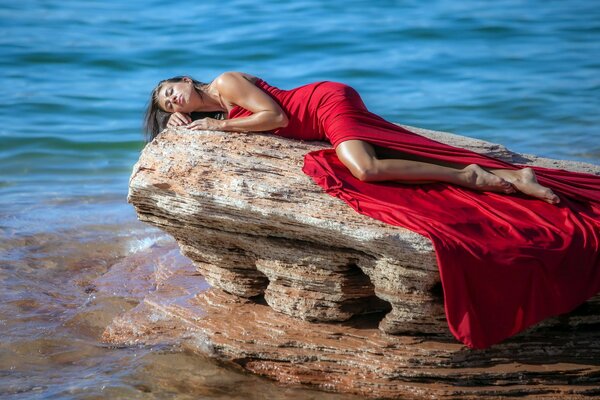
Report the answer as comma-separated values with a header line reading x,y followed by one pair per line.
x,y
237,90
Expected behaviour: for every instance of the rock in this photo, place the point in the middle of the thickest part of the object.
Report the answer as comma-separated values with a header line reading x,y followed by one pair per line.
x,y
354,357
254,224
256,227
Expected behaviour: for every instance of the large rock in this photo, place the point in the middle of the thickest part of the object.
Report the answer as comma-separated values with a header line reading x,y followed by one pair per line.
x,y
560,361
255,226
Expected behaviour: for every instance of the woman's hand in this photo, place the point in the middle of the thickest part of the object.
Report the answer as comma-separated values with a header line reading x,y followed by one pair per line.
x,y
178,119
206,124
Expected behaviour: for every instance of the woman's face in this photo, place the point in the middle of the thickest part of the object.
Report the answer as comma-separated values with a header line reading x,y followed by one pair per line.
x,y
177,96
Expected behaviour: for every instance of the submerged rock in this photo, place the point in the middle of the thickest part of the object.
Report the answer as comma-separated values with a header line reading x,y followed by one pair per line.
x,y
308,291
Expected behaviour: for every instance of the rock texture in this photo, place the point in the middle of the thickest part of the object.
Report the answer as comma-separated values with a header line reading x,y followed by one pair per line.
x,y
557,361
255,226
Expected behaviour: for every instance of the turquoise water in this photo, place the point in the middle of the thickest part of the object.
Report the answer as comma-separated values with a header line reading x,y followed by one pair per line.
x,y
75,77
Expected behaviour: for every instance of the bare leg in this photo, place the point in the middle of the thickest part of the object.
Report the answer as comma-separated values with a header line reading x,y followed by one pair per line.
x,y
524,180
361,159
373,163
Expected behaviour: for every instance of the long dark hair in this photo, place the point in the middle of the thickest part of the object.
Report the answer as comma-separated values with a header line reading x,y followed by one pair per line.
x,y
156,119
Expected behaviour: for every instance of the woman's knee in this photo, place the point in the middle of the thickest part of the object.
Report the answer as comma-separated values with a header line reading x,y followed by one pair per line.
x,y
367,174
360,158
364,172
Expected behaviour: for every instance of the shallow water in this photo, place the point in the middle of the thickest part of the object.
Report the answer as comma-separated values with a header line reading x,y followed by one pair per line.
x,y
52,316
75,77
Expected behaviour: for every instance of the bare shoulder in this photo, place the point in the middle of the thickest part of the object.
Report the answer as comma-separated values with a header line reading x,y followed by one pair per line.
x,y
232,77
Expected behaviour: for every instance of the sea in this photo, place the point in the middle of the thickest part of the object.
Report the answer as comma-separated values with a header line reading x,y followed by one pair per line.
x,y
75,78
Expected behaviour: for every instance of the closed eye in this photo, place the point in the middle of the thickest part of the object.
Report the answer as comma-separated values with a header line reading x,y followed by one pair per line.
x,y
168,93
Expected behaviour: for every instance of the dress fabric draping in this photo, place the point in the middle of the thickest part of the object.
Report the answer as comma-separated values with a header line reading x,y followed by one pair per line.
x,y
506,262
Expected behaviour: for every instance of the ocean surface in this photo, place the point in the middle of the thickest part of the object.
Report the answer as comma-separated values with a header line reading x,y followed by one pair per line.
x,y
75,77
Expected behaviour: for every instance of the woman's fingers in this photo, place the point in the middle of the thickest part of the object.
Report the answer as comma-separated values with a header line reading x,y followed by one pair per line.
x,y
183,119
173,121
179,119
205,124
197,125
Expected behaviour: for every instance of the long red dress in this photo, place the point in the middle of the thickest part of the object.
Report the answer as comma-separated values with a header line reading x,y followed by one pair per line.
x,y
506,262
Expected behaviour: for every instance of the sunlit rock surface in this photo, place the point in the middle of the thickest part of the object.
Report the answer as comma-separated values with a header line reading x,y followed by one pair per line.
x,y
316,293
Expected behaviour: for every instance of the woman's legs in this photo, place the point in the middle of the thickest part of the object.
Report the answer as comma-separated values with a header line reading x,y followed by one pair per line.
x,y
370,163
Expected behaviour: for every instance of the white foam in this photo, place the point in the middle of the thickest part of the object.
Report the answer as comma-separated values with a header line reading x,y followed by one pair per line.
x,y
137,245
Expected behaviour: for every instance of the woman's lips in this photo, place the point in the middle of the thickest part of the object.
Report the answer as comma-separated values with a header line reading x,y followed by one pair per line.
x,y
180,100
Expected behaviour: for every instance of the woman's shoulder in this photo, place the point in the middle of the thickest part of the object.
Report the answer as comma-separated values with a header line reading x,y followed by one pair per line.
x,y
234,75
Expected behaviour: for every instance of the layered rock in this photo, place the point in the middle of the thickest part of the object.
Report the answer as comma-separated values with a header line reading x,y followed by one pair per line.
x,y
559,360
255,226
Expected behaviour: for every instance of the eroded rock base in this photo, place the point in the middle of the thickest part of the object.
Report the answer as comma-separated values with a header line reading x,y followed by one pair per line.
x,y
558,359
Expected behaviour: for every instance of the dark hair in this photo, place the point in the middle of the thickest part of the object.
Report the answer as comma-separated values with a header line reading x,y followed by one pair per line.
x,y
156,119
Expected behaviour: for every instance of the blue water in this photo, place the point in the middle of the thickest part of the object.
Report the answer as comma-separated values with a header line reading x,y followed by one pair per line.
x,y
75,77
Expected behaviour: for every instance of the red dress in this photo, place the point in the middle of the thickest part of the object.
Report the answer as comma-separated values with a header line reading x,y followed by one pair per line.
x,y
506,262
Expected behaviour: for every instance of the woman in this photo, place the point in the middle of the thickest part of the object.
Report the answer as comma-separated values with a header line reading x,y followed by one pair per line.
x,y
367,161
505,262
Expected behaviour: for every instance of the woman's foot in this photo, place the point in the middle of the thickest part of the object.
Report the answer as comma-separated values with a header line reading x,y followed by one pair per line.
x,y
524,180
475,177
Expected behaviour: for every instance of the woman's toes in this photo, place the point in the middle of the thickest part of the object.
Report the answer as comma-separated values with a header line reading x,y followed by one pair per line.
x,y
551,197
528,184
478,178
505,185
495,183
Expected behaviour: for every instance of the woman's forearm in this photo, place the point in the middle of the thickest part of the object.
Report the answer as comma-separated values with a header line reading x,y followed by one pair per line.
x,y
261,121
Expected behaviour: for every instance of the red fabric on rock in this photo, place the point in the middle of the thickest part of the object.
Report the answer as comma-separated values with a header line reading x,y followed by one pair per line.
x,y
506,262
